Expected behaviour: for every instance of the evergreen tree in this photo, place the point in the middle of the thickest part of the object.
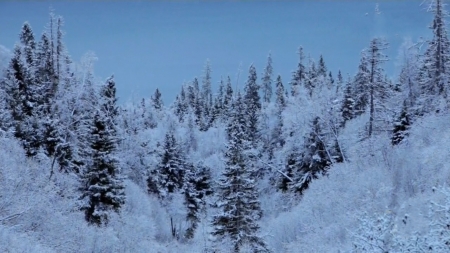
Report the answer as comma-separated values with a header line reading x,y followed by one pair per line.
x,y
103,186
228,99
197,186
206,92
237,190
299,75
378,88
310,77
401,126
340,81
322,69
435,71
267,81
252,106
157,100
348,103
360,92
314,160
280,105
169,173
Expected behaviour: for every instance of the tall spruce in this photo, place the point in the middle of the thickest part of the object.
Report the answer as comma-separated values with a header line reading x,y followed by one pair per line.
x,y
267,81
102,181
237,190
252,103
299,74
436,69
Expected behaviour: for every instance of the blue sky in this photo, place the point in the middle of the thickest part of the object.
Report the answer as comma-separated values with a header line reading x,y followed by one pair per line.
x,y
162,44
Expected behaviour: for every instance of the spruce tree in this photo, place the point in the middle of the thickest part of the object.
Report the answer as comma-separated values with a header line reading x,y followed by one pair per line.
x,y
168,176
401,126
157,100
378,89
228,99
348,103
299,74
436,69
102,187
197,185
280,105
315,159
237,190
267,81
252,103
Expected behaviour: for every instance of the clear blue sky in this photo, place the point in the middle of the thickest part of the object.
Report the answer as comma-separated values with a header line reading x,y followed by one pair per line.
x,y
161,44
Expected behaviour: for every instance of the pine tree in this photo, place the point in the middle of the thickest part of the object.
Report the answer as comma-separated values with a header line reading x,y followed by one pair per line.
x,y
168,176
280,105
237,190
314,161
228,99
436,68
299,75
252,106
310,77
360,91
103,186
197,186
401,126
267,81
206,92
340,81
322,68
348,103
157,100
378,89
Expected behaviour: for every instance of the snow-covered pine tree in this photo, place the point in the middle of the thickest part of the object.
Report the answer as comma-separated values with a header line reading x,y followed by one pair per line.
x,y
157,100
378,89
280,104
237,191
298,75
168,176
197,185
227,99
102,182
339,83
348,103
434,77
360,92
252,102
401,126
267,81
315,159
322,68
310,77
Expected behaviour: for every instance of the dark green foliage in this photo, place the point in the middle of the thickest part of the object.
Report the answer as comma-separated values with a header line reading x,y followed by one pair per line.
x,y
401,126
348,103
308,164
197,185
102,183
299,75
267,81
237,190
168,176
157,100
252,103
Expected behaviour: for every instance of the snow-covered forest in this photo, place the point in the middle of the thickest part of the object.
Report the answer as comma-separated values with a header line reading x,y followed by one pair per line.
x,y
320,161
